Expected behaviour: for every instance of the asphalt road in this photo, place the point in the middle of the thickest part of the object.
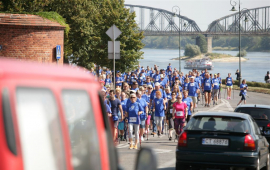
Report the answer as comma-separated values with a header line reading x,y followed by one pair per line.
x,y
165,149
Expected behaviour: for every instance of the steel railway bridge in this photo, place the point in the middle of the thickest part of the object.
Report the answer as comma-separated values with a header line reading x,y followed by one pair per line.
x,y
161,22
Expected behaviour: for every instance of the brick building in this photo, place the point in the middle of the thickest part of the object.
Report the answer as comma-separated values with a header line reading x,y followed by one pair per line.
x,y
30,37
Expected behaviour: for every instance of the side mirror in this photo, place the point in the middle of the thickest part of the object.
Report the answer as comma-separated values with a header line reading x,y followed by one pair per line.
x,y
146,159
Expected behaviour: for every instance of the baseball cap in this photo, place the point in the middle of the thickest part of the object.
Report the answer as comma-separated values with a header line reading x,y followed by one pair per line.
x,y
150,86
157,84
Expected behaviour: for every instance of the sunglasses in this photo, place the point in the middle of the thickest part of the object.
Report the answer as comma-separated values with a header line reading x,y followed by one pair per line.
x,y
179,98
173,94
132,97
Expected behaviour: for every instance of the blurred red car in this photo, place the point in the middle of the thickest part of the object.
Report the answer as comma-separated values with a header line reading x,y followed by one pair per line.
x,y
52,118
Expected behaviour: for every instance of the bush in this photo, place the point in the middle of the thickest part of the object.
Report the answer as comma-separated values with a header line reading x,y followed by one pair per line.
x,y
192,50
243,53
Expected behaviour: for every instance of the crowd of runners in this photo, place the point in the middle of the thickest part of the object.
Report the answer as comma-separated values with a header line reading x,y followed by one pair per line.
x,y
146,99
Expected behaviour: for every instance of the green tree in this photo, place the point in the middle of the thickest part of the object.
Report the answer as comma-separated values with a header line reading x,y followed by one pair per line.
x,y
192,50
265,43
202,43
243,53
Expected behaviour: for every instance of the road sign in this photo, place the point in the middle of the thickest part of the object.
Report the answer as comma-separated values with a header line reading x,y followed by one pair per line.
x,y
113,32
58,52
116,49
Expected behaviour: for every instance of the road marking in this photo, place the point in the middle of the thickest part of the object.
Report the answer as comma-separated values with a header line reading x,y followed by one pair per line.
x,y
162,151
217,106
229,106
122,145
167,164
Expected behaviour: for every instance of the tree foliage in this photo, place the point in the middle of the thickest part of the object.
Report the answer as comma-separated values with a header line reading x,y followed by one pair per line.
x,y
202,43
89,20
243,53
192,50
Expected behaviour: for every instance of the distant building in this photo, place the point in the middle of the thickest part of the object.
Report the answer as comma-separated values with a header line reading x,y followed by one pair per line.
x,y
30,37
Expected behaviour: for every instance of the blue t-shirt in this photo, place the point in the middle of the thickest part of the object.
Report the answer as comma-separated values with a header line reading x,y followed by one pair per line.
x,y
244,92
185,86
143,104
153,94
118,79
159,107
207,84
115,106
216,83
187,100
124,105
198,80
146,97
108,109
229,81
156,78
133,109
136,89
141,80
169,96
192,88
108,82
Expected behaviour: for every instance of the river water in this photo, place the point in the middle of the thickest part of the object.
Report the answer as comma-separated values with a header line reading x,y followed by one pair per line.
x,y
254,69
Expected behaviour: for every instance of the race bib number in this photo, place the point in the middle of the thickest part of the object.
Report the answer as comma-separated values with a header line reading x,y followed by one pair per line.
x,y
229,82
179,113
171,110
207,84
156,79
133,119
215,84
169,73
191,84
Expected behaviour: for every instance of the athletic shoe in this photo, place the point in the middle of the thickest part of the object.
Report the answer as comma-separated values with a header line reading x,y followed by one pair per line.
x,y
230,98
153,133
158,133
142,138
130,146
144,135
227,98
170,138
135,146
214,103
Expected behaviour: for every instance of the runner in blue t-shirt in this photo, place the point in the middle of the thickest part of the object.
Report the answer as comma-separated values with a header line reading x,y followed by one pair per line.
x,y
158,109
144,115
193,89
243,92
215,85
207,87
229,83
118,81
108,81
134,110
189,104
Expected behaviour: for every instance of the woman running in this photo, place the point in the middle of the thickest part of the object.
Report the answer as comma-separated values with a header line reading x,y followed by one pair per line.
x,y
158,108
179,114
243,88
134,110
189,104
169,116
229,83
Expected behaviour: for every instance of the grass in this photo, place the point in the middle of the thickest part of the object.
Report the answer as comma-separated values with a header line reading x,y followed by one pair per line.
x,y
225,48
217,55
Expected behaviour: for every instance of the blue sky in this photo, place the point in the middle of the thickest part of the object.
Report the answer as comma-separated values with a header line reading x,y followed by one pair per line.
x,y
202,11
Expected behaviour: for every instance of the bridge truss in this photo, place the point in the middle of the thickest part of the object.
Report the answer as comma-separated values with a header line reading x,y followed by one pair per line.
x,y
258,23
162,22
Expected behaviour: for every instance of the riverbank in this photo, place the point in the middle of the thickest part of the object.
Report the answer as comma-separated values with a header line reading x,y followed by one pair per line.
x,y
215,57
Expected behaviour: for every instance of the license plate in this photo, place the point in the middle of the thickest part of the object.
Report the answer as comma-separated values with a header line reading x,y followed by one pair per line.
x,y
217,142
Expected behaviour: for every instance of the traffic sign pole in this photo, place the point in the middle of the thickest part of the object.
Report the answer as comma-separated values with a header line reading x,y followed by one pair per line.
x,y
113,59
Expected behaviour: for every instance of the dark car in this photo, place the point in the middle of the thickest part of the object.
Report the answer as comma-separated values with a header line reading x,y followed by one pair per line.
x,y
261,114
222,140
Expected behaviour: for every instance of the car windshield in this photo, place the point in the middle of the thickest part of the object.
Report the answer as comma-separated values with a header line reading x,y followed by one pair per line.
x,y
256,113
218,123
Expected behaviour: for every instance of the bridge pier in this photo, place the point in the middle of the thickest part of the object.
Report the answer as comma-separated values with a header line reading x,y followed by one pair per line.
x,y
209,41
209,44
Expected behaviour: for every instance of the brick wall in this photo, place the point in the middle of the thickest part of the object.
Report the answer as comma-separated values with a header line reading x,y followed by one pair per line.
x,y
35,41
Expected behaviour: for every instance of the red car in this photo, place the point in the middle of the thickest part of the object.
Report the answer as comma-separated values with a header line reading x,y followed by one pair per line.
x,y
52,118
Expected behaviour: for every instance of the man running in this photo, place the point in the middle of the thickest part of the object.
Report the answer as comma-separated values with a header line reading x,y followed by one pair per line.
x,y
215,85
207,87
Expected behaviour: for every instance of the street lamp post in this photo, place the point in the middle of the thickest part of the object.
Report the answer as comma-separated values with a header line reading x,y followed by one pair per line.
x,y
177,9
239,29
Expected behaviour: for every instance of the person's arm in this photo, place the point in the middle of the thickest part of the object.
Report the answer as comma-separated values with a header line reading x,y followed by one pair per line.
x,y
164,104
191,106
154,105
146,110
173,113
121,110
186,111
